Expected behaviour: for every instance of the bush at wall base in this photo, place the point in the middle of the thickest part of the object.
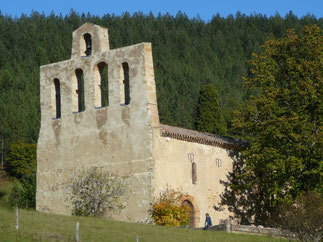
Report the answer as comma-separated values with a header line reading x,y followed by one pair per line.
x,y
95,192
168,209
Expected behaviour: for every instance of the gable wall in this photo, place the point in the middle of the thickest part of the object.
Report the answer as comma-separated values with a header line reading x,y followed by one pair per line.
x,y
117,138
174,169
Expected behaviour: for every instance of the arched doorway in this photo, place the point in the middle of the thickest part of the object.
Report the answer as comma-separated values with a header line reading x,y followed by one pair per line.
x,y
195,212
189,204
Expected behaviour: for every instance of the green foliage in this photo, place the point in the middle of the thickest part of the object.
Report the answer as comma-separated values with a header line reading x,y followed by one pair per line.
x,y
95,192
21,163
282,121
21,160
209,113
23,193
304,217
236,196
5,188
185,51
169,210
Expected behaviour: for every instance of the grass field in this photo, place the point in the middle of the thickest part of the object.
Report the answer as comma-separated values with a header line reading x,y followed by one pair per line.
x,y
37,226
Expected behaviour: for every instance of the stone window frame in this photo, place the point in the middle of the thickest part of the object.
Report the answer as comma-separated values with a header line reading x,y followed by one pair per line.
x,y
98,85
56,99
86,44
124,83
78,91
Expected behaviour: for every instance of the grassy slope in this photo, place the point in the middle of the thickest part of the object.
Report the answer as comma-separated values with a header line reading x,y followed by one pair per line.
x,y
36,226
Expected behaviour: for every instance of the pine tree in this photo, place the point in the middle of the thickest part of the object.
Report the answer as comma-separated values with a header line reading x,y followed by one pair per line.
x,y
209,114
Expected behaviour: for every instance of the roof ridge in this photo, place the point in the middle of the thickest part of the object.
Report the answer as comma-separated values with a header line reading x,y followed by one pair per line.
x,y
201,137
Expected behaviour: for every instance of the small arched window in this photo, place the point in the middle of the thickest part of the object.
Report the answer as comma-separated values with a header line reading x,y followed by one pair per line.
x,y
124,85
88,44
79,92
57,99
194,175
101,85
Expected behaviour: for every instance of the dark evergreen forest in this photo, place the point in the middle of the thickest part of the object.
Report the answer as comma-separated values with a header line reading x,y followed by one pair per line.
x,y
188,53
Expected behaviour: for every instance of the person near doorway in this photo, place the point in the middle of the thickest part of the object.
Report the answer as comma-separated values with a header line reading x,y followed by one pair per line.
x,y
208,221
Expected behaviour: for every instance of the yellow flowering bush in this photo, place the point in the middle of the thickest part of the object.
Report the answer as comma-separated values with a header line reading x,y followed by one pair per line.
x,y
168,209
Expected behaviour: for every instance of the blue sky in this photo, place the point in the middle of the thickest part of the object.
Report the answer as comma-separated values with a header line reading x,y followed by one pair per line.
x,y
205,8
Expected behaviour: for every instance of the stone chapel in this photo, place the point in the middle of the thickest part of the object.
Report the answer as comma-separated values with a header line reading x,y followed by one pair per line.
x,y
99,108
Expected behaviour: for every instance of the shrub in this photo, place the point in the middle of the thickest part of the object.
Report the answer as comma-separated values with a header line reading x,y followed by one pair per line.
x,y
23,193
168,209
21,159
304,217
95,192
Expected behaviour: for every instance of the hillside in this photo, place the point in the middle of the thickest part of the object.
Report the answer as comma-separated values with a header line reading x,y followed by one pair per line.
x,y
36,226
187,54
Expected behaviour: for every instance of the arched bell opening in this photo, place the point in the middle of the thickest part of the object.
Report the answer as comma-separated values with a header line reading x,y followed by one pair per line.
x,y
101,81
124,84
88,44
78,92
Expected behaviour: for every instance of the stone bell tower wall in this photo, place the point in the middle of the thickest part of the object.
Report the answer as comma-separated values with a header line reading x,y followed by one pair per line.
x,y
117,137
100,42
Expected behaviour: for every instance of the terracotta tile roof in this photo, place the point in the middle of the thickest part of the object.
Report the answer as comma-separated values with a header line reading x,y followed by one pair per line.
x,y
202,138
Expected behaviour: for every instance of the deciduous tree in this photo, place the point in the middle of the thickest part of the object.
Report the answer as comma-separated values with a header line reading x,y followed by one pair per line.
x,y
21,160
303,217
283,123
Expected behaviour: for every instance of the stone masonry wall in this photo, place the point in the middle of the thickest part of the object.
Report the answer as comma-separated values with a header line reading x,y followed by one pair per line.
x,y
173,168
117,137
123,138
